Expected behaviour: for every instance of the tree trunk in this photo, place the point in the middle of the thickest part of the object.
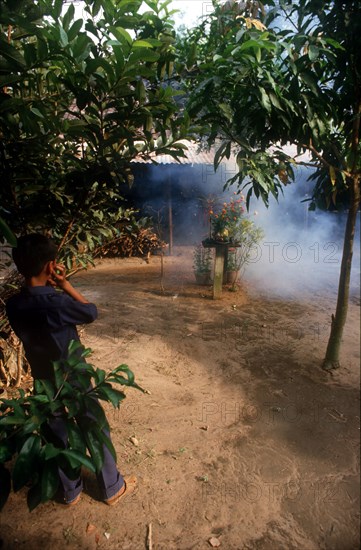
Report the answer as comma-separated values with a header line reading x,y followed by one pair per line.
x,y
332,359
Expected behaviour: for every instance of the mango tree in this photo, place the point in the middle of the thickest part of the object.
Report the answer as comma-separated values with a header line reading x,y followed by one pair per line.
x,y
81,95
264,76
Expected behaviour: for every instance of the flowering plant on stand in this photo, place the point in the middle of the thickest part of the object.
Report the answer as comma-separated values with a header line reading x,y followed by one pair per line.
x,y
225,222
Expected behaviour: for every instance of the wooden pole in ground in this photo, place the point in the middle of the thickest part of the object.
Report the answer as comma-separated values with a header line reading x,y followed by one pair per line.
x,y
218,271
170,212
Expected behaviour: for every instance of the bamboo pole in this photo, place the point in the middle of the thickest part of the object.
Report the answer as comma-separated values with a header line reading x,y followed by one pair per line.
x,y
170,211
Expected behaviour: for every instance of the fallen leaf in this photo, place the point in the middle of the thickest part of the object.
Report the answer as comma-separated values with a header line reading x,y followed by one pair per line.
x,y
107,535
134,440
214,542
90,528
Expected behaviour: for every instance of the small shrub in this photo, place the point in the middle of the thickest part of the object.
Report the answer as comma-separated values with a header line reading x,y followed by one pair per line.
x,y
202,259
28,453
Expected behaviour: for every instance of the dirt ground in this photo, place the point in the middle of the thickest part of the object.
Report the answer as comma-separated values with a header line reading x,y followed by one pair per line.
x,y
242,440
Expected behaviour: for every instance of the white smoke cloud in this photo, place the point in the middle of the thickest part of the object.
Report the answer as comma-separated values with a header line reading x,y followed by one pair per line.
x,y
301,250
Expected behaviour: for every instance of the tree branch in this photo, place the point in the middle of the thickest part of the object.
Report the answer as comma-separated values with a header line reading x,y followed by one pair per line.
x,y
323,161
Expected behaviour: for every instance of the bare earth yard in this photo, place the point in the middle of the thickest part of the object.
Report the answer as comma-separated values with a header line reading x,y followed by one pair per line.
x,y
243,440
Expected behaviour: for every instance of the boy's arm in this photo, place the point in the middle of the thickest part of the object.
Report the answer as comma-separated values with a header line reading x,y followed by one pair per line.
x,y
75,294
57,278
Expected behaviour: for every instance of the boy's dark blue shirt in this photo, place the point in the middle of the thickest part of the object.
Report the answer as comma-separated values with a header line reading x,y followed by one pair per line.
x,y
45,321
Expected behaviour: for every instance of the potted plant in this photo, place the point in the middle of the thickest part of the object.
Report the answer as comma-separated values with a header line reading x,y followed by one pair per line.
x,y
233,266
202,264
247,235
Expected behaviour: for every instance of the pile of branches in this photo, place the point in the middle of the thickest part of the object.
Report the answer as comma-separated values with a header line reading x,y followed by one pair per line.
x,y
140,243
13,364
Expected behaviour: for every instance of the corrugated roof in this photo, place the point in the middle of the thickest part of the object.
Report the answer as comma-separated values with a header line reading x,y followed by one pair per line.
x,y
193,156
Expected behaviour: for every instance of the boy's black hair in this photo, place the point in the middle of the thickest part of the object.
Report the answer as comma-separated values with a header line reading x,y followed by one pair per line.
x,y
32,252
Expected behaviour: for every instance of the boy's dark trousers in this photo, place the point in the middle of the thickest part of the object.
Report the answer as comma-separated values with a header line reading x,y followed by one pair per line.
x,y
109,479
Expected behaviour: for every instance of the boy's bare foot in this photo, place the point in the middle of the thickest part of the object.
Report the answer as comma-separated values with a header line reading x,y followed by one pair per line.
x,y
129,486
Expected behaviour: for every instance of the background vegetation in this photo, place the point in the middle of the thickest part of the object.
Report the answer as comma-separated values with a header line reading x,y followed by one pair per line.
x,y
82,96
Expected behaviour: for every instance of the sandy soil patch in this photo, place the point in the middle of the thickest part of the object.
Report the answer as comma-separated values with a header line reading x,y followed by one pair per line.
x,y
242,438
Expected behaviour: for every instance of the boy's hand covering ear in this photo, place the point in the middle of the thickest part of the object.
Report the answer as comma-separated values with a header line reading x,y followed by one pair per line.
x,y
58,279
57,276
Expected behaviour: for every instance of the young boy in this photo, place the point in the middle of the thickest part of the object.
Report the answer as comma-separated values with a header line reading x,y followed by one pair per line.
x,y
45,321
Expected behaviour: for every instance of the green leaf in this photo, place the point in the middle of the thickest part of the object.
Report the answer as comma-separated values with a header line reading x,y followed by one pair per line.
x,y
275,101
74,347
72,405
27,462
42,49
50,451
6,451
118,52
36,112
141,91
45,386
219,154
125,369
106,392
310,80
69,16
142,54
74,29
30,54
34,496
43,399
265,100
33,423
49,480
96,410
12,419
96,7
58,374
122,35
95,447
164,5
76,437
226,110
142,44
12,54
100,375
332,173
6,232
76,459
252,45
63,37
58,6
108,443
81,47
313,52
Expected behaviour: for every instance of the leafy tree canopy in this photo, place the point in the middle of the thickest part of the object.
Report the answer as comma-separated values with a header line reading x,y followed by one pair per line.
x,y
79,99
263,76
